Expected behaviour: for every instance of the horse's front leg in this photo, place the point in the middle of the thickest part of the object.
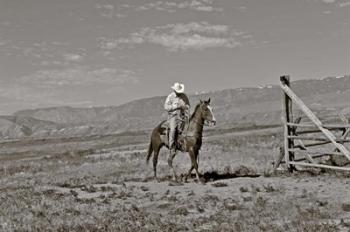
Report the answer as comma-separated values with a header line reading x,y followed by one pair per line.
x,y
194,154
189,172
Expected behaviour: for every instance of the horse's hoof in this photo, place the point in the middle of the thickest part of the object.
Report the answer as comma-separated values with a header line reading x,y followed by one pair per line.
x,y
200,180
186,179
175,183
181,177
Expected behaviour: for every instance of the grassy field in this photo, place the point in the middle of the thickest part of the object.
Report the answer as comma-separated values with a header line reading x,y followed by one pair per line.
x,y
103,184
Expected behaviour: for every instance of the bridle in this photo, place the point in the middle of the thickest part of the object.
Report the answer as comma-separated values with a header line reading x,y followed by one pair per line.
x,y
210,122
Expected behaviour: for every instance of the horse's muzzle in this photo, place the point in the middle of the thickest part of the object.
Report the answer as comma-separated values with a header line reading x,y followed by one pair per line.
x,y
211,123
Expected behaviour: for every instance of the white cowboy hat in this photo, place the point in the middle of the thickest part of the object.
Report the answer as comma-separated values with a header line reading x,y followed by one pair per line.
x,y
179,88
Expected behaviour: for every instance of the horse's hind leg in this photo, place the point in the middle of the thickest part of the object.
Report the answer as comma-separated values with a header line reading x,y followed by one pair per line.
x,y
155,162
189,172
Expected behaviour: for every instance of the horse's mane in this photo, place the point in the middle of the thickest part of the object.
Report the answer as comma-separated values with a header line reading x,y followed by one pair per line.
x,y
195,110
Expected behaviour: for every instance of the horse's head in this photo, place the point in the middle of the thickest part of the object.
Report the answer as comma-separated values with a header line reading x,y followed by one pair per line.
x,y
207,113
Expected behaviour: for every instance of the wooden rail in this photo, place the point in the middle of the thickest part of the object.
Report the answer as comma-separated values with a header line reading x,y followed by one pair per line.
x,y
317,152
312,138
327,126
305,159
320,166
316,144
293,139
303,132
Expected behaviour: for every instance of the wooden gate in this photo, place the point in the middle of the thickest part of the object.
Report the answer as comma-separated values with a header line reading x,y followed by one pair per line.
x,y
315,133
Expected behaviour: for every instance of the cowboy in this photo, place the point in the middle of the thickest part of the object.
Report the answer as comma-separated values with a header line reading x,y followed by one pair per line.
x,y
177,105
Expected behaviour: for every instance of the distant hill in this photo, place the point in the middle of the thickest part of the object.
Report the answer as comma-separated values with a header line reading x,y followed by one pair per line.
x,y
16,126
233,108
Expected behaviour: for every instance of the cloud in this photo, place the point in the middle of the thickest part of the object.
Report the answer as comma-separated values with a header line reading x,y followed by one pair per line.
x,y
107,43
337,2
180,37
203,27
110,11
198,42
16,97
44,53
344,4
78,76
172,6
18,94
106,10
71,86
73,57
3,42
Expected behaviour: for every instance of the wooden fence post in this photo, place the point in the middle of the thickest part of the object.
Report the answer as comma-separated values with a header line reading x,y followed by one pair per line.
x,y
288,118
291,135
327,133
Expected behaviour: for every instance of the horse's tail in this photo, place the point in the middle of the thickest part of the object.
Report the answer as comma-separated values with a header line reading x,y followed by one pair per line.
x,y
149,152
154,134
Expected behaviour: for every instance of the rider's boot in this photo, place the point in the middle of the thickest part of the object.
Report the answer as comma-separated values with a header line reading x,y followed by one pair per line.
x,y
171,156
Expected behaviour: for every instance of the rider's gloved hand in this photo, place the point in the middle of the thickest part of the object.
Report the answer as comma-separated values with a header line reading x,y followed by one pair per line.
x,y
184,107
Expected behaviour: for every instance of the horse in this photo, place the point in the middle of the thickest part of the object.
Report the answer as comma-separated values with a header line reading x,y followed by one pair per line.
x,y
191,139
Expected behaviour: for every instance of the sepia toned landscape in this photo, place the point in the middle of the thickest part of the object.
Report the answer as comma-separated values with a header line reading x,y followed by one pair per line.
x,y
100,182
84,85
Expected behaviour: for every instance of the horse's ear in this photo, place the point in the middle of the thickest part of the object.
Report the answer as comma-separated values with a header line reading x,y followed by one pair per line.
x,y
208,101
200,101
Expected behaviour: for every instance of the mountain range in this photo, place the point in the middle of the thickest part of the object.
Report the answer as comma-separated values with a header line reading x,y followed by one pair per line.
x,y
241,107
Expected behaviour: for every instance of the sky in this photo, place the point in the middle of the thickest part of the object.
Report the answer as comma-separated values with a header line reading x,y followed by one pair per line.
x,y
85,53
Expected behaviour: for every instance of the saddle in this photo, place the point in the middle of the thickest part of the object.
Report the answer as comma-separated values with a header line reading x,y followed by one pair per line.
x,y
179,136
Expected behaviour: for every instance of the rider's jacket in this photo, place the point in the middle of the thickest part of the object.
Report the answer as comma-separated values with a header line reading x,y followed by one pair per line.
x,y
172,104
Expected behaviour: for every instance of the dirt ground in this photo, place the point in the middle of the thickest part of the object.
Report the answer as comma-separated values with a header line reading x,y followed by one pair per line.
x,y
103,184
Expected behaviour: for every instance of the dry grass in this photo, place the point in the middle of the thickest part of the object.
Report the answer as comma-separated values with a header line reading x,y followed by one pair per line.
x,y
104,185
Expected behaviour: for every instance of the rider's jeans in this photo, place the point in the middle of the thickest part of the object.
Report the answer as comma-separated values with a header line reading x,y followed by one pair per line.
x,y
174,124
